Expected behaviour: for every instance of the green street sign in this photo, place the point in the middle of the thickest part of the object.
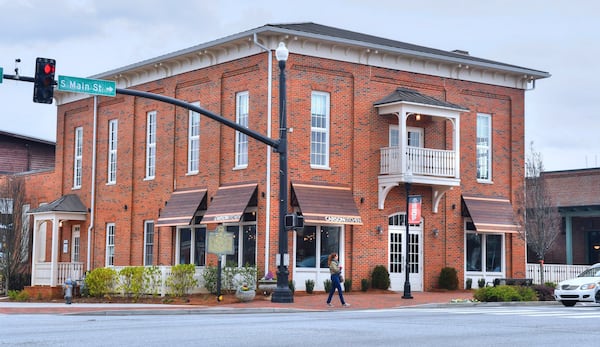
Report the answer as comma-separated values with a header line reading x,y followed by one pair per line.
x,y
1,74
87,86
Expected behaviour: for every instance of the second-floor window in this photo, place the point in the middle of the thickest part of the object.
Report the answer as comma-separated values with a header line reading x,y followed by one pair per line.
x,y
194,141
78,157
241,139
319,130
113,127
484,147
151,145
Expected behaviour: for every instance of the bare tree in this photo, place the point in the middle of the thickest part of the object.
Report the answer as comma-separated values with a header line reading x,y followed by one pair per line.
x,y
542,219
14,238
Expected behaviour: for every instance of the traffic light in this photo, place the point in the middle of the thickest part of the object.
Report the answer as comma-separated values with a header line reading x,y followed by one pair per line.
x,y
43,84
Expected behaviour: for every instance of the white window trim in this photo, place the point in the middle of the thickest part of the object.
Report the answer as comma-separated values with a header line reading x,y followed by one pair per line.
x,y
147,223
241,140
78,158
150,145
113,131
110,244
489,157
326,130
193,141
76,243
483,271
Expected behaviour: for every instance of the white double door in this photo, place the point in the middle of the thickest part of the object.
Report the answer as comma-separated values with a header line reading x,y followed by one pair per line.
x,y
396,258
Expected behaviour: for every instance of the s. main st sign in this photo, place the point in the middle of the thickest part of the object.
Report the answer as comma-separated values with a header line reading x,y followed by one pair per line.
x,y
87,86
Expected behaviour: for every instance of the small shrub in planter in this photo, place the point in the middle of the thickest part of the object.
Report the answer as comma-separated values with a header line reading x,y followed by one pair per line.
x,y
481,282
380,278
348,285
448,278
364,284
292,286
310,286
327,284
469,284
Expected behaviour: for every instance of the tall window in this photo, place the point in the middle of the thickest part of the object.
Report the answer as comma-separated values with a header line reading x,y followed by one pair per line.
x,y
194,141
151,145
484,252
241,139
315,243
110,244
113,128
75,248
319,130
148,242
78,157
192,245
484,147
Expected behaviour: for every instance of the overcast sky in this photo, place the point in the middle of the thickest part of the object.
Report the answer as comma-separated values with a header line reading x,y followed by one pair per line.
x,y
88,37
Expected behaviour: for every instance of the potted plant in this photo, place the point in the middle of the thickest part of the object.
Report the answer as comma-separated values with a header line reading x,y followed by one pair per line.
x,y
267,284
244,293
310,285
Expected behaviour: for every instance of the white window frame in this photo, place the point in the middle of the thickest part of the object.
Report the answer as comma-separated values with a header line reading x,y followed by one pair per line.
x,y
319,150
483,256
485,164
151,145
194,141
242,110
148,242
78,158
76,243
110,244
113,131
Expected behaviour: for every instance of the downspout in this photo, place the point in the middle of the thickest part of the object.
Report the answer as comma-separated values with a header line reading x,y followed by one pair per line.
x,y
93,187
269,150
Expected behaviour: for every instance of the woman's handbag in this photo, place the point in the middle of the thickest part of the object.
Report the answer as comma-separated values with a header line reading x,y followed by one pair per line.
x,y
341,278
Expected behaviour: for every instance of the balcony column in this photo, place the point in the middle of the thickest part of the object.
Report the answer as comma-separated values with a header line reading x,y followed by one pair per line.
x,y
403,133
456,145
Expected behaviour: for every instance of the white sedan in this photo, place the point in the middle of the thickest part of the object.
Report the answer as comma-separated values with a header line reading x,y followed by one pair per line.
x,y
584,288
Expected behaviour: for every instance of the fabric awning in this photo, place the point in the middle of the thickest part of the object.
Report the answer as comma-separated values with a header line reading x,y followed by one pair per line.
x,y
491,215
181,207
325,204
229,203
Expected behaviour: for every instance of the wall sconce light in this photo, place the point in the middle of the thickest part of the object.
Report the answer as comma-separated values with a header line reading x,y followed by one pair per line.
x,y
125,207
436,232
379,229
454,206
60,224
596,247
262,194
418,117
362,200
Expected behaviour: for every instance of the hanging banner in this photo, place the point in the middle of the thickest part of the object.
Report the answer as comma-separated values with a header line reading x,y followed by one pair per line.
x,y
414,209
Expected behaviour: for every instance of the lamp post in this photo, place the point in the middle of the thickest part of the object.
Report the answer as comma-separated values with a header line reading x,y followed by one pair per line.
x,y
282,293
407,294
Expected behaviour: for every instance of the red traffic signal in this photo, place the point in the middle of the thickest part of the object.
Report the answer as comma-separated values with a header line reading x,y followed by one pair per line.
x,y
43,84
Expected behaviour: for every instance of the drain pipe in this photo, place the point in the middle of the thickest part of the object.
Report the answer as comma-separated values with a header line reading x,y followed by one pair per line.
x,y
269,150
93,188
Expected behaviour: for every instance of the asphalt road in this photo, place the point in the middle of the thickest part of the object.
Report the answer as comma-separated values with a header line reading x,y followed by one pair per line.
x,y
437,326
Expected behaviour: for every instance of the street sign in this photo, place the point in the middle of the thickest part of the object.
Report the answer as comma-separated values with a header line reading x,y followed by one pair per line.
x,y
87,86
1,74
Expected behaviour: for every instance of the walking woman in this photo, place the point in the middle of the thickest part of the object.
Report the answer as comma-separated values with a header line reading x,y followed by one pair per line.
x,y
336,271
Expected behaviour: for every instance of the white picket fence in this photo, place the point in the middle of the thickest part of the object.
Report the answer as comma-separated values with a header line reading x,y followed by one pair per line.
x,y
554,272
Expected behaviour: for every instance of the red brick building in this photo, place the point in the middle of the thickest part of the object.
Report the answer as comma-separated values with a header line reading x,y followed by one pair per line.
x,y
142,182
576,193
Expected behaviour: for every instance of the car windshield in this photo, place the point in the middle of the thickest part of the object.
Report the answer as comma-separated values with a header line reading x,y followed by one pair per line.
x,y
591,272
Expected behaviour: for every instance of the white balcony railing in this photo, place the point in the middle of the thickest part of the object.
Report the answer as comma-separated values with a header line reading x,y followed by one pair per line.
x,y
43,275
422,161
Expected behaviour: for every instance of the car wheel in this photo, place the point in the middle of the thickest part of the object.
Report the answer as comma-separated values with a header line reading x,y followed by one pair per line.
x,y
568,303
597,297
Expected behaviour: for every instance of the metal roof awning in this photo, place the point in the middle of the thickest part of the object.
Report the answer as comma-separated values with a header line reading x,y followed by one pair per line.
x,y
182,207
490,215
325,204
229,203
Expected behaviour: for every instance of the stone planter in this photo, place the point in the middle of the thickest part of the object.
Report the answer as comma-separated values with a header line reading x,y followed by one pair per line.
x,y
245,295
267,286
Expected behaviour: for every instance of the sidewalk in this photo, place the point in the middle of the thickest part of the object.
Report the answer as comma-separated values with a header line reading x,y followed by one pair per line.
x,y
302,302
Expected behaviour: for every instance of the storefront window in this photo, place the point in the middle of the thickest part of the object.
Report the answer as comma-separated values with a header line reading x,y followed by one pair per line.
x,y
244,239
473,252
186,240
309,248
484,249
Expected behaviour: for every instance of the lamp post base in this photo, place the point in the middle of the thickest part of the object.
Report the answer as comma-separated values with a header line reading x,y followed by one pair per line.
x,y
407,294
282,295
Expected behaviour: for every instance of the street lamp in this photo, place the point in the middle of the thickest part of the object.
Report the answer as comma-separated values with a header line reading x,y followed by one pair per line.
x,y
407,183
282,293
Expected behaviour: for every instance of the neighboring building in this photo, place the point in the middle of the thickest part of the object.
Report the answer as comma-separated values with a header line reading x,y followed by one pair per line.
x,y
576,193
20,153
140,182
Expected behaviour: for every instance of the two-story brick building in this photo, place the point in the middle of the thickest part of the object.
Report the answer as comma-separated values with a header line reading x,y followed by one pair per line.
x,y
142,182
